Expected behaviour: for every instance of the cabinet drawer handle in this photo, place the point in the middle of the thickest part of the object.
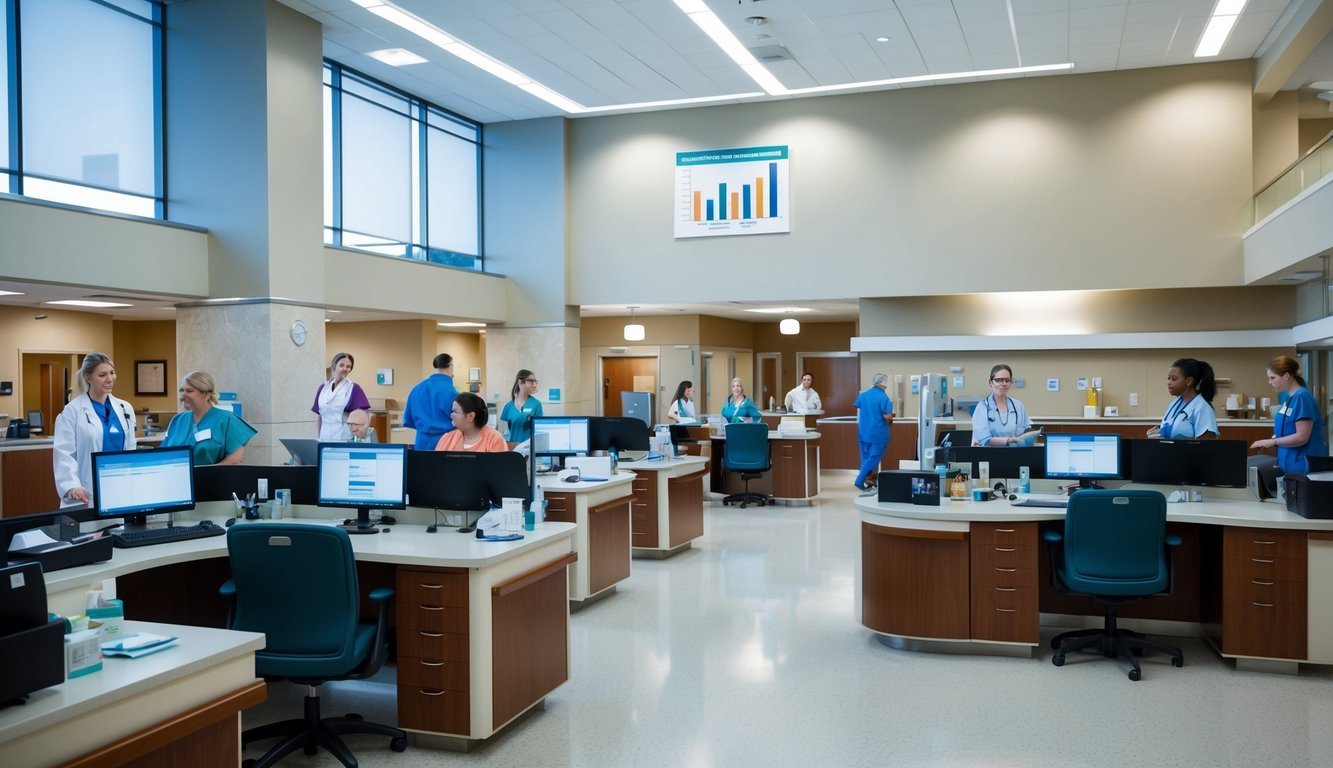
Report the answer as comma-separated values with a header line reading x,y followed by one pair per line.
x,y
431,607
431,586
1004,530
425,663
1263,605
1262,560
1261,583
1265,543
1005,549
1007,610
432,693
1006,570
1006,589
431,634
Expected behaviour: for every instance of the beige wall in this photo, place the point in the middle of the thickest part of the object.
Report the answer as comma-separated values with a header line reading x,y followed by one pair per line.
x,y
75,333
814,337
146,340
1312,132
406,346
1276,137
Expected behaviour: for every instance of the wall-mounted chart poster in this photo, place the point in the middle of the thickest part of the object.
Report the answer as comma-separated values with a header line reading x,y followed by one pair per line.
x,y
732,192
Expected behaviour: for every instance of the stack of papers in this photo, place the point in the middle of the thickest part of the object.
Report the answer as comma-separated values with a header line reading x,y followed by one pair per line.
x,y
136,645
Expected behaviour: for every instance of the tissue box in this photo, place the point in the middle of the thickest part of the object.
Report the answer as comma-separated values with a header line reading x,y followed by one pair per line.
x,y
83,653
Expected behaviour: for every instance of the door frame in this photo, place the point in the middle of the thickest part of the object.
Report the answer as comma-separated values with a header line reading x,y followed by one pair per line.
x,y
779,391
601,375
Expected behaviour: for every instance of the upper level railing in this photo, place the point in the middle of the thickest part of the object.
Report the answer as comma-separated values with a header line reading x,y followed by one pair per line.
x,y
1298,177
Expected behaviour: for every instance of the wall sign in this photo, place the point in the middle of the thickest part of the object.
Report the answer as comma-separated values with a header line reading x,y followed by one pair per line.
x,y
740,191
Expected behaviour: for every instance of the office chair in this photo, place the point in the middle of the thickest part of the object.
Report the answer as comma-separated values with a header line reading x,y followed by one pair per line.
x,y
1114,548
312,627
747,454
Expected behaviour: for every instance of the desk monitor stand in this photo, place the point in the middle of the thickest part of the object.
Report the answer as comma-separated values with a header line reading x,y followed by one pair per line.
x,y
362,524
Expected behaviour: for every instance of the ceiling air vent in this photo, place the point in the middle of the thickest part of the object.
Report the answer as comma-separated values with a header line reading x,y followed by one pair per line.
x,y
768,54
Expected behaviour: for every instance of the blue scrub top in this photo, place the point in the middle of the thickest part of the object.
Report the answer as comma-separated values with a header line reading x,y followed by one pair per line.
x,y
113,436
217,435
989,421
1300,406
872,406
1193,419
732,413
427,410
520,420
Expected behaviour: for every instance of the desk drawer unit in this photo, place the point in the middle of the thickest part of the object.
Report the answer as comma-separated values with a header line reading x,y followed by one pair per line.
x,y
1004,595
433,650
643,510
1264,598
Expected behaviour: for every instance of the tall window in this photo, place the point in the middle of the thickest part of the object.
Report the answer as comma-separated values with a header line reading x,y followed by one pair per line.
x,y
401,176
80,102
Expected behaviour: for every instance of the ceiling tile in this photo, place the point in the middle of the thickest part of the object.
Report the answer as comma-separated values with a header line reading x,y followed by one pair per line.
x,y
942,33
933,14
1094,35
1041,22
1097,17
981,9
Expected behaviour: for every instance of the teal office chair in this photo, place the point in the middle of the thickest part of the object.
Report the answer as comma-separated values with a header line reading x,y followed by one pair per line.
x,y
1115,548
746,453
297,584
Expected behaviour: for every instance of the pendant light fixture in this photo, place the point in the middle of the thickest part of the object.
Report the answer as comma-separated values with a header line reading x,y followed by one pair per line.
x,y
633,331
789,326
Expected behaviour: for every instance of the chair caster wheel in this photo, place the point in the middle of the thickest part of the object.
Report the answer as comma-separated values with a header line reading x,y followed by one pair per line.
x,y
398,744
1177,661
1055,644
1135,675
1058,659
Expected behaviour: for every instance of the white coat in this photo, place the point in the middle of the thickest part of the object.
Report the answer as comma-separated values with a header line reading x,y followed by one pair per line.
x,y
78,436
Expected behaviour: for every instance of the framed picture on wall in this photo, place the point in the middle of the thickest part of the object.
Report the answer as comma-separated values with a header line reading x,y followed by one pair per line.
x,y
150,377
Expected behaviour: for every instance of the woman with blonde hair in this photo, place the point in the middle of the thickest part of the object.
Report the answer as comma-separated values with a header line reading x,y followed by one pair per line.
x,y
94,421
215,436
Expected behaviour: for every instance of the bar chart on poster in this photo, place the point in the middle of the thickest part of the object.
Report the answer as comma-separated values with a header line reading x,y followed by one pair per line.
x,y
739,191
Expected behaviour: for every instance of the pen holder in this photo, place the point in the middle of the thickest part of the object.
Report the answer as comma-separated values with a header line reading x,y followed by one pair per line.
x,y
251,512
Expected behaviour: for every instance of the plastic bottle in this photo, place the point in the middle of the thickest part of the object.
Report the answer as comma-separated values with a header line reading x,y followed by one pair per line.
x,y
942,472
1024,480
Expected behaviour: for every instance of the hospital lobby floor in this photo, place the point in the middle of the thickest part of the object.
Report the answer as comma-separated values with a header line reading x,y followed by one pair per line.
x,y
745,651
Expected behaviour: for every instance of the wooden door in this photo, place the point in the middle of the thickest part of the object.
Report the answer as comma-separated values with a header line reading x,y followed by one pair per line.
x,y
768,385
626,374
836,380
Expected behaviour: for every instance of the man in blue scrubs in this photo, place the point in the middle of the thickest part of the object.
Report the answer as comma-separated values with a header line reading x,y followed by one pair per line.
x,y
430,403
874,415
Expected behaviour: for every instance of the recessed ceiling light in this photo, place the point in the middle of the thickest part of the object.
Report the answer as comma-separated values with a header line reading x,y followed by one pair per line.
x,y
779,310
881,39
396,57
86,303
1225,15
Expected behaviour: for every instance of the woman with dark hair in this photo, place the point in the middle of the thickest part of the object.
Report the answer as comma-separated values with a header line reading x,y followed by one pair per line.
x,y
470,432
682,405
336,398
1298,428
1191,414
523,407
1001,419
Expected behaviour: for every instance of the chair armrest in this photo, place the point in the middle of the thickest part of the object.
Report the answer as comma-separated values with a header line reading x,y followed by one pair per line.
x,y
228,593
228,589
1173,540
381,594
380,650
1052,536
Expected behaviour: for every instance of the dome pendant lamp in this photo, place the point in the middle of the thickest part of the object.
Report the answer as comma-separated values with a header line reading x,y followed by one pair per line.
x,y
633,331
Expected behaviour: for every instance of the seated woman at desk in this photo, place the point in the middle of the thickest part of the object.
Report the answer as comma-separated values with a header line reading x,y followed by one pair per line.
x,y
1191,414
94,421
739,407
470,432
217,436
1298,429
682,405
1000,419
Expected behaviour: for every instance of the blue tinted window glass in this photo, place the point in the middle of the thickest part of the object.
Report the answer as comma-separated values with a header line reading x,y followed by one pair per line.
x,y
88,112
376,171
4,93
451,165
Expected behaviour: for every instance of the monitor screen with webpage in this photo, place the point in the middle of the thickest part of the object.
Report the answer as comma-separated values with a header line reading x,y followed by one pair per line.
x,y
362,476
1085,458
560,435
133,484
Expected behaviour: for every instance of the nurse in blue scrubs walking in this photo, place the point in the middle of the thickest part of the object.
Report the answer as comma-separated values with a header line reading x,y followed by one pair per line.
x,y
1191,413
523,407
1298,427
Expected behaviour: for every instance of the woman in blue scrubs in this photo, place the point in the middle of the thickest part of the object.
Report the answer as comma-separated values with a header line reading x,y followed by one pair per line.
x,y
523,407
1298,427
1191,413
739,407
215,436
1000,419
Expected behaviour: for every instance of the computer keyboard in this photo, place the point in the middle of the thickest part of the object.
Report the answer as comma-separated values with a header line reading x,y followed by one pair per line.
x,y
146,536
1047,503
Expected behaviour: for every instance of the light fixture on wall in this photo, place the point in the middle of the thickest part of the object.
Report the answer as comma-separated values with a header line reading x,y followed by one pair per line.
x,y
633,330
789,326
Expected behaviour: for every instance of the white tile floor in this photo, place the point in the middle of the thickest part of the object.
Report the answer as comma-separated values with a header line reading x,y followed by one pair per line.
x,y
745,652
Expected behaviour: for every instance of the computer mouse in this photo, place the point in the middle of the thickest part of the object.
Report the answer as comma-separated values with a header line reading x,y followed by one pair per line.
x,y
570,479
230,522
384,530
388,520
206,524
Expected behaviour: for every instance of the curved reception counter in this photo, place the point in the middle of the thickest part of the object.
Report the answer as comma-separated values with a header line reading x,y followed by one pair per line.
x,y
1253,579
794,477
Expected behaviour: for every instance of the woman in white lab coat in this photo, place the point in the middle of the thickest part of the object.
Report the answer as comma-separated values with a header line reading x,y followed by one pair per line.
x,y
94,421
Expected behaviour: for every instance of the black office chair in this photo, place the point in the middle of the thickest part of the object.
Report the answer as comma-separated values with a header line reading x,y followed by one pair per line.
x,y
747,454
297,584
1115,548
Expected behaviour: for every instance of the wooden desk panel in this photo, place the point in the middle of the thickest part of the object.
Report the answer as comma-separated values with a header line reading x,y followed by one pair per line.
x,y
915,582
27,482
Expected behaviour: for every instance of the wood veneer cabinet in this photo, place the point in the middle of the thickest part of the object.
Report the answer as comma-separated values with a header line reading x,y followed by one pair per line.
x,y
608,532
433,685
791,468
915,582
643,510
686,495
1005,592
1264,592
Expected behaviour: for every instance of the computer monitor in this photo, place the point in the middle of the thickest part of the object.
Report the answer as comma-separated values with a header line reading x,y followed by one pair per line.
x,y
461,480
1085,458
305,450
362,476
637,405
135,484
1213,463
955,438
560,435
1005,462
620,433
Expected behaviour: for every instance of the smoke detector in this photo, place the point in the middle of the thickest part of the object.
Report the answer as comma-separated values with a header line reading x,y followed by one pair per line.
x,y
756,21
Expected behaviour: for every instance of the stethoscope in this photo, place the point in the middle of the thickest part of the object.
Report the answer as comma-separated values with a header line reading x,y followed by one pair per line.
x,y
993,407
1176,410
107,420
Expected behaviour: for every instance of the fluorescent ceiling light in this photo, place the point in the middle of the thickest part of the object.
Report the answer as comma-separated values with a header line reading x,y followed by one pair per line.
x,y
396,57
11,293
730,45
87,303
464,324
930,78
1225,15
779,310
675,102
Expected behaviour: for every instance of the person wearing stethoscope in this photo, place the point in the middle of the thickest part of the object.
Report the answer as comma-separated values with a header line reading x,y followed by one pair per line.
x,y
1000,419
1191,414
94,421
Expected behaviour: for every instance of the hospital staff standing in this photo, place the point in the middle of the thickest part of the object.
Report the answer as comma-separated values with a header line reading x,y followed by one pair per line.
x,y
94,421
1298,429
1191,413
1000,419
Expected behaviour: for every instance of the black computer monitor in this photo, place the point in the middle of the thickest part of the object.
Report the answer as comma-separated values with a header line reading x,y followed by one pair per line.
x,y
955,438
560,435
1214,463
217,482
460,480
1085,458
362,476
134,484
619,433
1005,461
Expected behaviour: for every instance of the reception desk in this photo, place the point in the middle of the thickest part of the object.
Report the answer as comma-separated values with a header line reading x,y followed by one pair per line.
x,y
1252,578
27,477
600,511
794,477
468,613
667,512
